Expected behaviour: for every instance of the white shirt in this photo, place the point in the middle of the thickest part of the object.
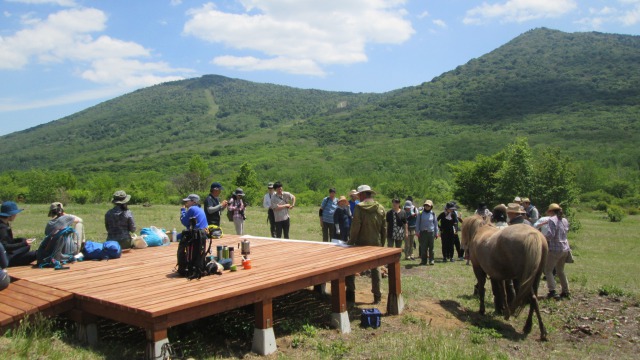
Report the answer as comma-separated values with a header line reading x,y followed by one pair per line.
x,y
266,202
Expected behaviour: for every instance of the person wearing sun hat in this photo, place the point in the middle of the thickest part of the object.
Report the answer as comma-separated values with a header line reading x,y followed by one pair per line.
x,y
368,228
558,226
515,213
18,249
119,220
191,209
266,203
342,218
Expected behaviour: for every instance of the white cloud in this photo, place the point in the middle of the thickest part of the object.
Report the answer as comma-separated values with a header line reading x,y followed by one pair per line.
x,y
423,15
65,3
627,13
300,37
440,23
518,10
66,36
12,104
175,2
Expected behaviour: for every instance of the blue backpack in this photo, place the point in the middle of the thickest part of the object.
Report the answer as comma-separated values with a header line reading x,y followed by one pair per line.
x,y
110,249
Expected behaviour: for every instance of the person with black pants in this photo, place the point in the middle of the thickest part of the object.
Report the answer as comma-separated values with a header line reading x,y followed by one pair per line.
x,y
447,221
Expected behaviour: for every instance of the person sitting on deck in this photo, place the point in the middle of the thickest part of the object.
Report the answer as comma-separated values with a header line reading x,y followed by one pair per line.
x,y
19,249
119,220
60,220
4,263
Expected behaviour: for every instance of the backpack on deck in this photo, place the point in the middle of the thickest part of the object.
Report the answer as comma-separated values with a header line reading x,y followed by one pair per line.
x,y
110,249
58,248
193,249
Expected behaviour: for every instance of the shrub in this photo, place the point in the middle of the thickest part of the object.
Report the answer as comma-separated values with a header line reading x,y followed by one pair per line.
x,y
597,196
615,213
612,290
79,196
601,206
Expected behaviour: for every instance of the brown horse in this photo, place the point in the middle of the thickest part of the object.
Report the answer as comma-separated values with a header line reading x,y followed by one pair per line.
x,y
516,253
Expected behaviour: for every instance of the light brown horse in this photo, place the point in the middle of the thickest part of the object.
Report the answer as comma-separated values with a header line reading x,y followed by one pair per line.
x,y
516,253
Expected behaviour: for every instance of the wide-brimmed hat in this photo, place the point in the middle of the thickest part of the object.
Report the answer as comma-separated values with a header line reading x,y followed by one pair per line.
x,y
192,197
238,192
408,204
270,185
353,192
342,199
365,188
428,203
451,206
526,200
517,199
120,197
216,186
9,208
554,207
53,208
514,208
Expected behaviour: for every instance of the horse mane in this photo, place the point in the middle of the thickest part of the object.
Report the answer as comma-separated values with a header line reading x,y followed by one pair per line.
x,y
470,227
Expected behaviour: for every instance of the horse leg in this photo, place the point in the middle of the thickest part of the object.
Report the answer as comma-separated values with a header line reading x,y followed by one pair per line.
x,y
529,323
498,295
481,276
543,330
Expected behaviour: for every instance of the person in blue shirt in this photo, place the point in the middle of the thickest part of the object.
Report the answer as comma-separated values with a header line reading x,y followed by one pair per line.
x,y
191,208
328,206
353,194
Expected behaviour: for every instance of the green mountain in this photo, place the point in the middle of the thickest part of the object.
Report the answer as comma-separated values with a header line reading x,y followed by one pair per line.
x,y
576,91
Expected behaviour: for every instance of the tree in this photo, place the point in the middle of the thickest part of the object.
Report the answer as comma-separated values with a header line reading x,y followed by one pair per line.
x,y
554,179
476,181
195,179
248,181
515,177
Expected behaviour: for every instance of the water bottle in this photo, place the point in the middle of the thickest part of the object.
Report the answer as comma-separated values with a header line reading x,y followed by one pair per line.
x,y
174,235
231,253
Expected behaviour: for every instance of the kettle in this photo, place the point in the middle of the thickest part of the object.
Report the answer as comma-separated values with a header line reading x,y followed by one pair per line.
x,y
245,247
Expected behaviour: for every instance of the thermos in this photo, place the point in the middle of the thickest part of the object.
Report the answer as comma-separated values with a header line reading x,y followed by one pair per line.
x,y
225,251
231,252
174,235
219,253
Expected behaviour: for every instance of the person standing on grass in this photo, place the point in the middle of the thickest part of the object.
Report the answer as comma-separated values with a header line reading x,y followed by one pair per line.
x,y
281,203
411,214
427,231
353,201
397,227
328,208
515,213
266,203
447,220
558,226
213,206
530,212
342,218
119,220
237,206
368,228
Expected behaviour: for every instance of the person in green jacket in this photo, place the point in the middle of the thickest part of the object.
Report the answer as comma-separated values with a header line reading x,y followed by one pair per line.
x,y
368,228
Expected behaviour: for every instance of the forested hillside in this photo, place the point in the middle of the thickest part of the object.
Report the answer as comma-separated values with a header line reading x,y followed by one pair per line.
x,y
579,92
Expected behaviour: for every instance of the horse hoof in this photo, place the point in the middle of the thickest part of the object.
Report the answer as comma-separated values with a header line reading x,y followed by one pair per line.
x,y
543,338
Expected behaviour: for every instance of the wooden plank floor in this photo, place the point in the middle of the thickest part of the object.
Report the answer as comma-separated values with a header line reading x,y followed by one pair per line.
x,y
23,298
142,288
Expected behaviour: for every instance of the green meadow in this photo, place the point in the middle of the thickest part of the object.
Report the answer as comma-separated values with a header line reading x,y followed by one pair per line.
x,y
440,320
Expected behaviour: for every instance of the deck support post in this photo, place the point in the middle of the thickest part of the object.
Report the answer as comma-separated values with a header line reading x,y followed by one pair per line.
x,y
264,339
156,339
395,302
86,326
339,314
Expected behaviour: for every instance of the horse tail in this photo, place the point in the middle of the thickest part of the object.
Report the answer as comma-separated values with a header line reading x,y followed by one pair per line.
x,y
533,266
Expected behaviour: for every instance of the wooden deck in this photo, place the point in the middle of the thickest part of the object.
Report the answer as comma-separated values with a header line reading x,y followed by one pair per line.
x,y
142,288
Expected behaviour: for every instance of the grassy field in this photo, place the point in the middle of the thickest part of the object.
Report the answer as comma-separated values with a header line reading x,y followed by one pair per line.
x,y
440,320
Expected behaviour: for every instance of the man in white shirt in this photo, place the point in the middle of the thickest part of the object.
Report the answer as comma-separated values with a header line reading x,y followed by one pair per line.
x,y
266,203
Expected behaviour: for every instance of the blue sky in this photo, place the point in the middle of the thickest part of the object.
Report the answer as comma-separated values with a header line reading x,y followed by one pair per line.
x,y
58,57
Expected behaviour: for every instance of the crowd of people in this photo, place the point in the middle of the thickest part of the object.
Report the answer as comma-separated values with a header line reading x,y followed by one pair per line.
x,y
358,220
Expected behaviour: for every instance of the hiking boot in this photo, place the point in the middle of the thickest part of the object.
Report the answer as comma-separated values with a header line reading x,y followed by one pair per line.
x,y
451,260
565,295
553,295
431,262
461,258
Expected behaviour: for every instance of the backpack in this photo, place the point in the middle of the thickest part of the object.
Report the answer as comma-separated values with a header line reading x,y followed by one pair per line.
x,y
192,252
229,215
57,249
110,249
